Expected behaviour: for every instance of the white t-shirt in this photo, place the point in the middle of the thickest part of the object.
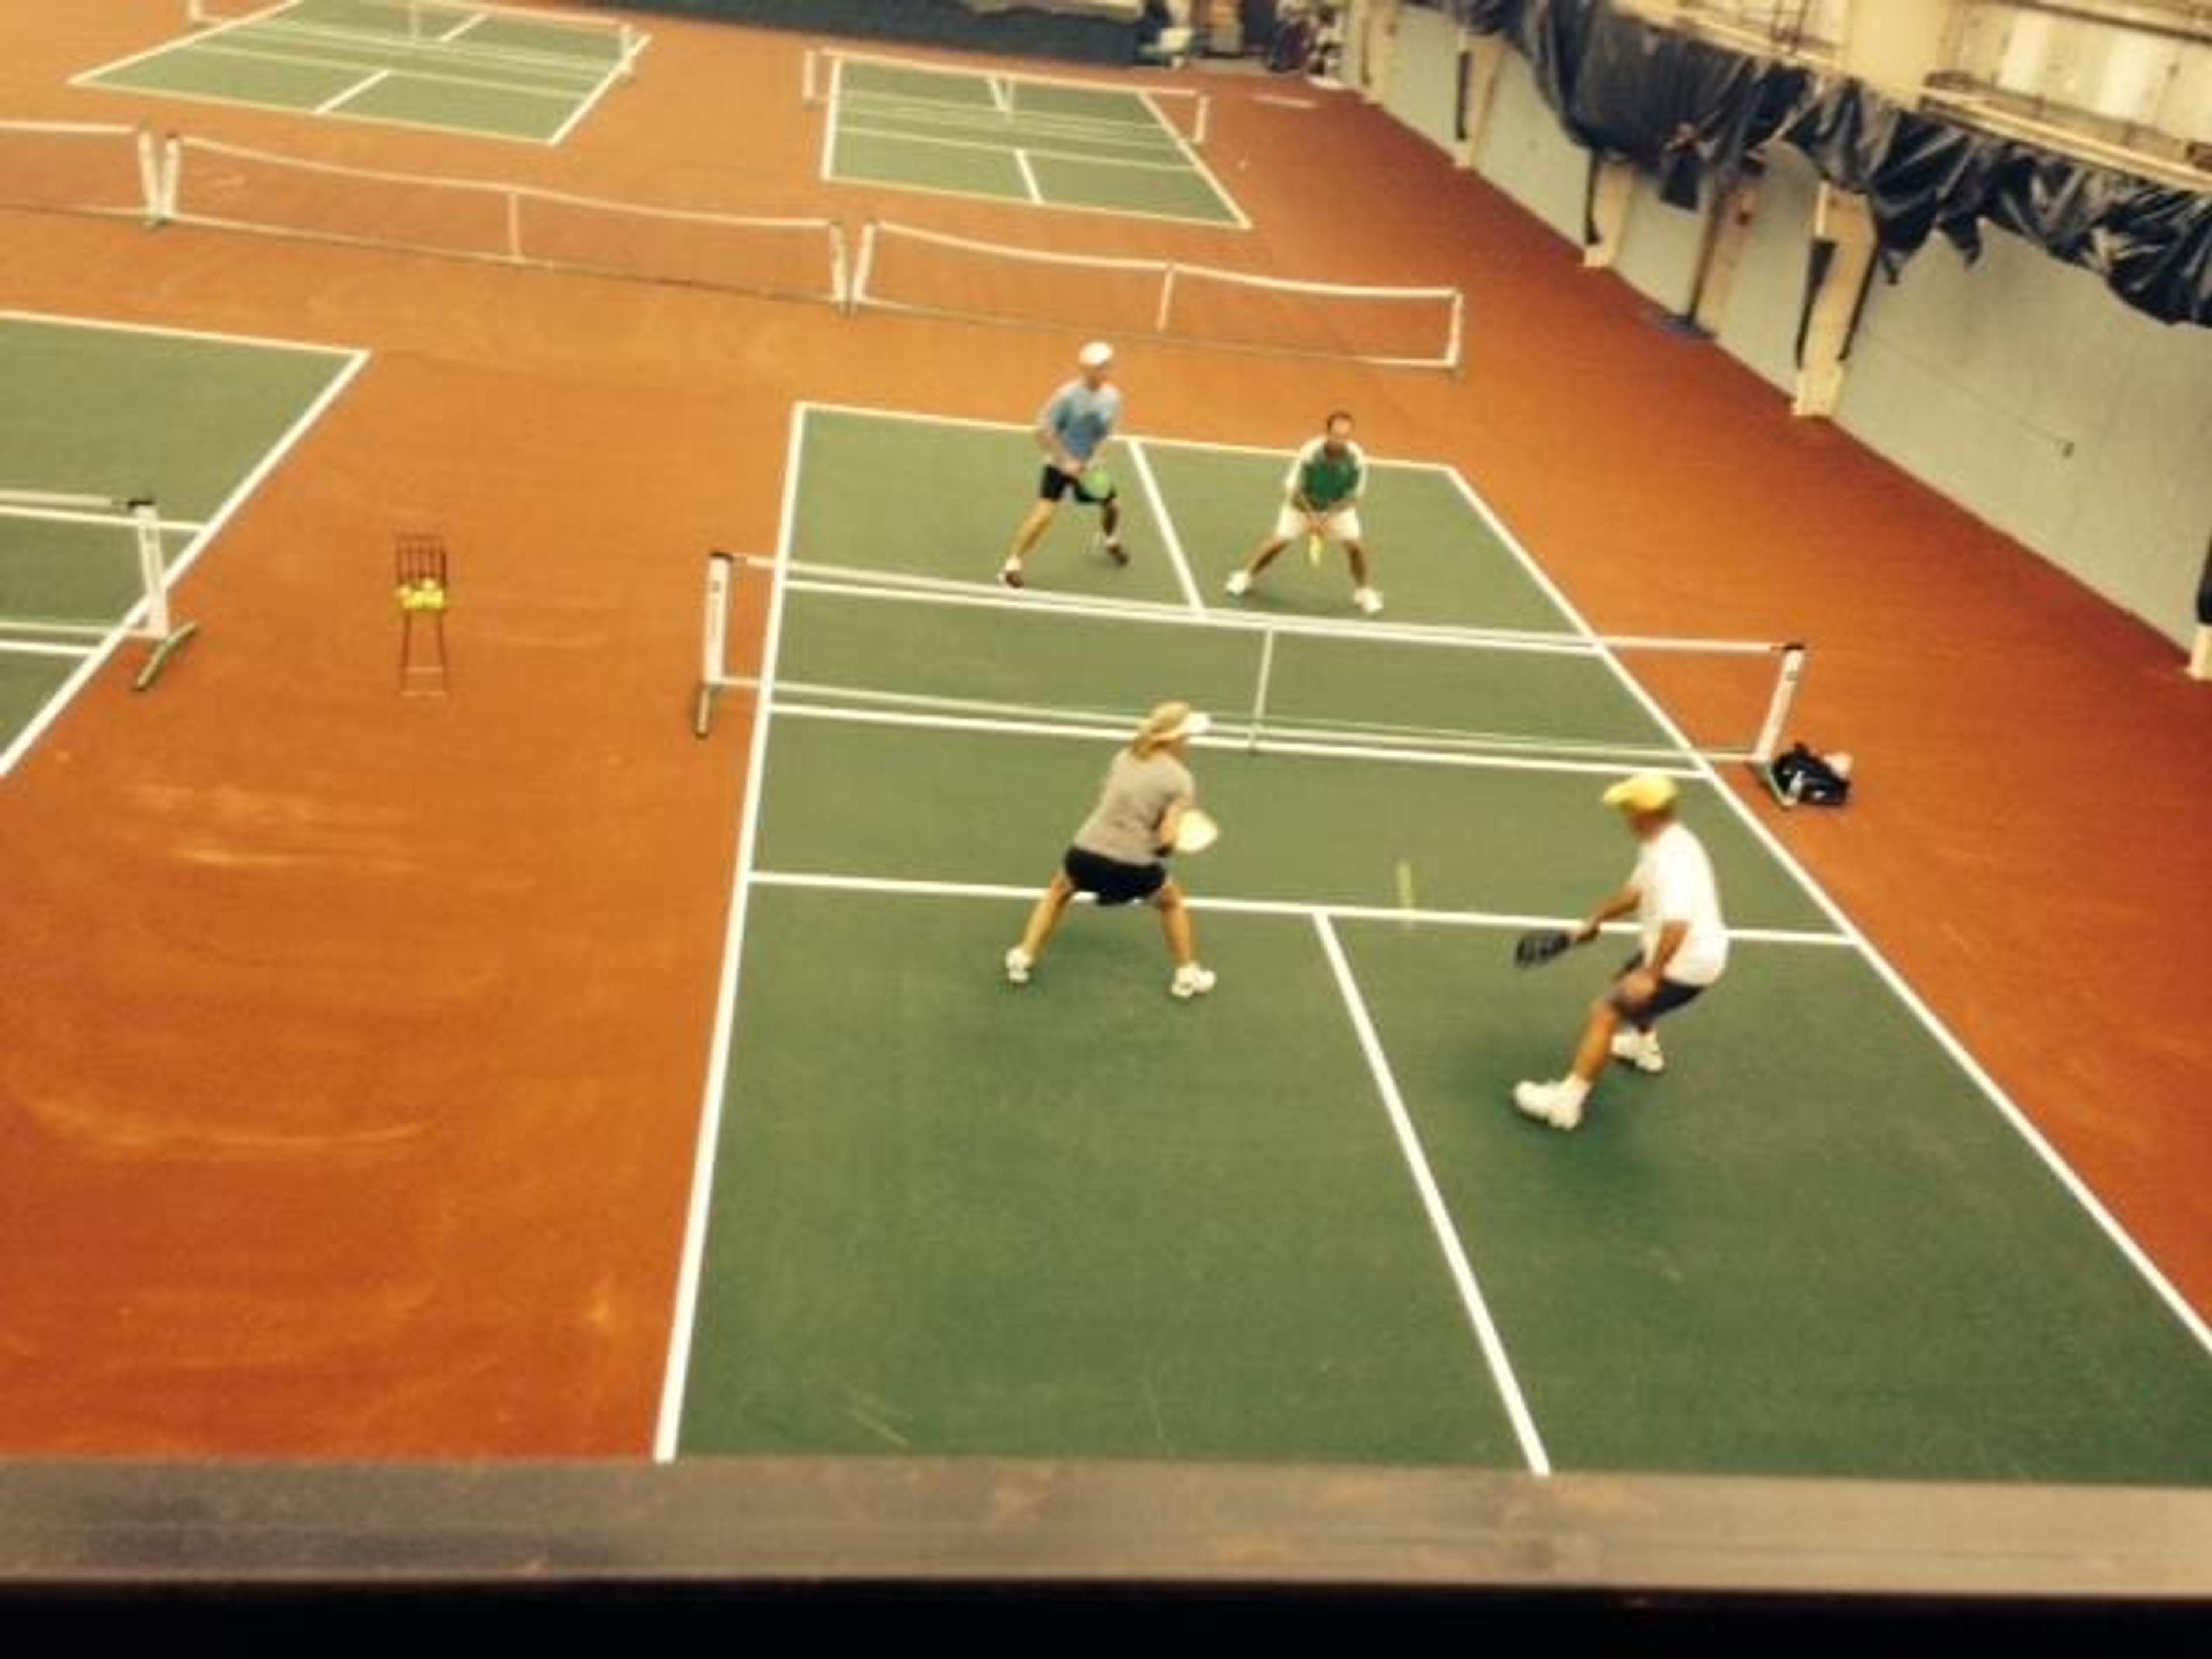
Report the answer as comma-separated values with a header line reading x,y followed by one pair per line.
x,y
1674,881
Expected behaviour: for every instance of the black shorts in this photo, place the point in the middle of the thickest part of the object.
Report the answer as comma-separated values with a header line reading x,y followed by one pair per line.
x,y
1054,484
1671,994
1109,880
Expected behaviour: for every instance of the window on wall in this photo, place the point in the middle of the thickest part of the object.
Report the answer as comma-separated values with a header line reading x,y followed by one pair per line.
x,y
2128,80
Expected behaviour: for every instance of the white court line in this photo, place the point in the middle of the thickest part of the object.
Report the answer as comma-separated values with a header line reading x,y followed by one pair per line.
x,y
351,92
463,27
999,96
593,99
832,118
2119,1235
1028,173
1432,1204
692,1273
1295,909
860,127
39,648
353,361
1175,555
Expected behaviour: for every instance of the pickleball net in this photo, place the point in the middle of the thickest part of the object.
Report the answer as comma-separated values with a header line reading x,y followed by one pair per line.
x,y
877,83
901,268
891,648
81,573
236,188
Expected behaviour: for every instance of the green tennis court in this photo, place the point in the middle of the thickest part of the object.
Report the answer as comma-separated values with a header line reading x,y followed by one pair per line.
x,y
1297,1219
1045,140
109,413
488,70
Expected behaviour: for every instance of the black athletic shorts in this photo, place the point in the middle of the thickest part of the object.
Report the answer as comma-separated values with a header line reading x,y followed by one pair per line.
x,y
1054,484
1671,994
1109,880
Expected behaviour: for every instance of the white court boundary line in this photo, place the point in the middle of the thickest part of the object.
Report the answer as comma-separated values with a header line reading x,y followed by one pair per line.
x,y
1971,1067
691,1272
1440,1220
1168,534
351,362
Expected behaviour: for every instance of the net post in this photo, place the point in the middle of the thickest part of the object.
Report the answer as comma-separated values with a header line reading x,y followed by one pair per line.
x,y
810,90
173,172
1260,692
1777,711
1202,128
1453,344
513,225
713,641
626,43
841,285
146,521
2200,655
1167,299
168,636
150,175
856,295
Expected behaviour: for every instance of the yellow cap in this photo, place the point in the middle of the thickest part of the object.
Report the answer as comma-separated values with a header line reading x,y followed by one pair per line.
x,y
1647,791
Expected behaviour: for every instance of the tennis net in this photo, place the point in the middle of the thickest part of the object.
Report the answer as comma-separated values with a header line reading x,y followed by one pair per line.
x,y
228,187
892,85
900,268
895,647
79,573
76,166
547,39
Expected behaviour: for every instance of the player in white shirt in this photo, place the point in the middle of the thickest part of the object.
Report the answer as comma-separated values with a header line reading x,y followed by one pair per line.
x,y
1684,950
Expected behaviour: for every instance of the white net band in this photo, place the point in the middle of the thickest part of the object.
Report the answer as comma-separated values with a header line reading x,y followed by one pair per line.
x,y
901,268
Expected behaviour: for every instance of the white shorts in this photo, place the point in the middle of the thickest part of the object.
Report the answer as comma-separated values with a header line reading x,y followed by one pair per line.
x,y
1341,526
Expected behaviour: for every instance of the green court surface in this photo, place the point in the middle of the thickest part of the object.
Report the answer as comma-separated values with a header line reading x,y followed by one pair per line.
x,y
1297,1219
481,69
193,420
1038,140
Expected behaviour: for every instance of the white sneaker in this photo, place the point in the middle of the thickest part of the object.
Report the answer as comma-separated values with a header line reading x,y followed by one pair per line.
x,y
1640,1049
1112,548
1191,981
1018,963
1548,1103
1368,600
1239,584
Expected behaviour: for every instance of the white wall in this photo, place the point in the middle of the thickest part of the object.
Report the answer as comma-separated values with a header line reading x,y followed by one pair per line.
x,y
1528,156
1658,255
2024,390
1423,90
1760,327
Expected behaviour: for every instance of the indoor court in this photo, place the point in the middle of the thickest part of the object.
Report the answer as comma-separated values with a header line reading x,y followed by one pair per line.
x,y
565,1122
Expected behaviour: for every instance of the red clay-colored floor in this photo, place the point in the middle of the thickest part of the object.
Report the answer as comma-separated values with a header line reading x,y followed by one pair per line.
x,y
352,1048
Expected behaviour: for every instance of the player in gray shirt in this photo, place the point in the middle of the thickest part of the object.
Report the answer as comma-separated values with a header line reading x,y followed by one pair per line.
x,y
1117,855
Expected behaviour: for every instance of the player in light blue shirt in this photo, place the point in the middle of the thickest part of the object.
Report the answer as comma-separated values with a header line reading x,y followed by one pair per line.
x,y
1072,426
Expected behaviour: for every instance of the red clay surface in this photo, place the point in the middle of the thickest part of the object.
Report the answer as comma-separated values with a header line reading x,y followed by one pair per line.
x,y
352,1048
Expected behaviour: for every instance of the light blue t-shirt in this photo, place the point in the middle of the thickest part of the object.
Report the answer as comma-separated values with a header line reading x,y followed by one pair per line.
x,y
1081,419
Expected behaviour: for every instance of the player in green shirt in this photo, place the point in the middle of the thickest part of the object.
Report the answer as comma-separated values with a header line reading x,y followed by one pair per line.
x,y
1321,501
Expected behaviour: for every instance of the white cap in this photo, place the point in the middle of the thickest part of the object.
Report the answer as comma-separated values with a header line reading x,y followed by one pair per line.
x,y
1096,354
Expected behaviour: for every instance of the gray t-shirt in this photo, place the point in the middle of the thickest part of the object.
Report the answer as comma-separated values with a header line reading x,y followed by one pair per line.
x,y
1125,825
